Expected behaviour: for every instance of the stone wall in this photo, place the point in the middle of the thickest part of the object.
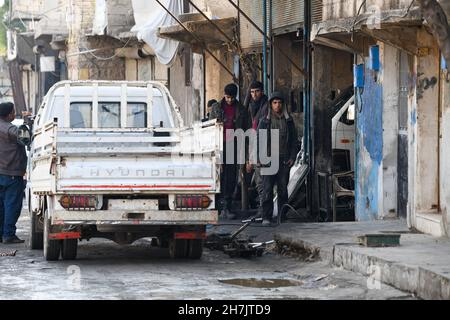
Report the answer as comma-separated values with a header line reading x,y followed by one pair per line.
x,y
120,16
100,64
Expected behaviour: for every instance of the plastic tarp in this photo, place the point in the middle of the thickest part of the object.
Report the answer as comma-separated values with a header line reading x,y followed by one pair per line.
x,y
149,17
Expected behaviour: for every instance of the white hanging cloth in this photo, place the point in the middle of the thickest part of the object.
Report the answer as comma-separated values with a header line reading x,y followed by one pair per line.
x,y
149,16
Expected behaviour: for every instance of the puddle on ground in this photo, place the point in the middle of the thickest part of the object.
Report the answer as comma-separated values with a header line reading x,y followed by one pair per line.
x,y
262,283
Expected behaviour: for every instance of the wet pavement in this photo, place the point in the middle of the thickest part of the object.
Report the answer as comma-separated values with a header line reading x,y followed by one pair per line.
x,y
105,270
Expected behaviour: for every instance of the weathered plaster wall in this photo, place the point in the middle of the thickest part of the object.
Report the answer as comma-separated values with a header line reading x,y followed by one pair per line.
x,y
424,168
54,20
377,137
161,71
23,9
427,125
369,148
337,9
390,79
181,93
220,8
412,148
188,97
217,8
83,66
120,16
445,137
79,19
198,85
216,77
145,69
445,146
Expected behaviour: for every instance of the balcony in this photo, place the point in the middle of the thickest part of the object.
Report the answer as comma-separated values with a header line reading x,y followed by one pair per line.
x,y
204,31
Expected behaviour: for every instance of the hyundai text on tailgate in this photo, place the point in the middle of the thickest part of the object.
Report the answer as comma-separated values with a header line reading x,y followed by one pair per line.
x,y
114,160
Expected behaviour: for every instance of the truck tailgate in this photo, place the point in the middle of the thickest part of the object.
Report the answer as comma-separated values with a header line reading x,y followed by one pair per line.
x,y
135,173
131,160
138,160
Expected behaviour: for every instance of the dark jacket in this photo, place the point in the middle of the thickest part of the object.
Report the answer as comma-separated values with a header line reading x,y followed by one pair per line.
x,y
258,110
13,157
292,138
241,119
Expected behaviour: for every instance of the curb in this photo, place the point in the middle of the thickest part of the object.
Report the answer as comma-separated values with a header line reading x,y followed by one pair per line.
x,y
423,283
302,248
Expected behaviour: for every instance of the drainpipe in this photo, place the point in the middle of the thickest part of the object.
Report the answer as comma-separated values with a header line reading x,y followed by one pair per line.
x,y
308,147
271,73
265,46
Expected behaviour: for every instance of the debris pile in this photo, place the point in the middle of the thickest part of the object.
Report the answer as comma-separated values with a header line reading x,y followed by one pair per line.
x,y
236,245
8,253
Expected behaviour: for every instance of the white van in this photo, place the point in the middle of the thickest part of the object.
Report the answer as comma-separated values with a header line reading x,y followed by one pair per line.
x,y
343,130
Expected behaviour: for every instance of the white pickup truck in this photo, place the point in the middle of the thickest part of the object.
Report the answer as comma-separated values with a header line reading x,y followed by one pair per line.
x,y
114,160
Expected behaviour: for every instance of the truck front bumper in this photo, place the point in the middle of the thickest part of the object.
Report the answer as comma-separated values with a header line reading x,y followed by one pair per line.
x,y
154,217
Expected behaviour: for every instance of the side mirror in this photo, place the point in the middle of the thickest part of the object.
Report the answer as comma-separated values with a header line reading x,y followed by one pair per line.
x,y
24,136
351,112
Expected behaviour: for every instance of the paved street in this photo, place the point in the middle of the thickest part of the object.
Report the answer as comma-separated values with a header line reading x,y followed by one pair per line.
x,y
105,270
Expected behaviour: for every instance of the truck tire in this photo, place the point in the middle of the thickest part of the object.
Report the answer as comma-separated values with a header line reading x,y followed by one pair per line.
x,y
69,249
195,249
178,248
52,248
36,237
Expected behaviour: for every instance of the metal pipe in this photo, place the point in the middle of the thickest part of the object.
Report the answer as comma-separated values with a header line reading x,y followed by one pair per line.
x,y
303,72
265,46
308,148
271,67
198,40
218,28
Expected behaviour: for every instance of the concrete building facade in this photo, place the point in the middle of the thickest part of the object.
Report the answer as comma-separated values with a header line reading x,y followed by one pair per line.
x,y
401,110
383,49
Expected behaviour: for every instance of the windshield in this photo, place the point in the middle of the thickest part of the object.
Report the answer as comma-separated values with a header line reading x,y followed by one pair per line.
x,y
109,113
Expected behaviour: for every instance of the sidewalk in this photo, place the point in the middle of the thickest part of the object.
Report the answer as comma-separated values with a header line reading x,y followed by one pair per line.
x,y
420,265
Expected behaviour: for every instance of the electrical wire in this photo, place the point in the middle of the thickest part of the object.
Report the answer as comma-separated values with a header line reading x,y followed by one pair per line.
x,y
107,58
357,15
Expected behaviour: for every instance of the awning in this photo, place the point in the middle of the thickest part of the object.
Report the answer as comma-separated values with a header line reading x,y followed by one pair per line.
x,y
205,32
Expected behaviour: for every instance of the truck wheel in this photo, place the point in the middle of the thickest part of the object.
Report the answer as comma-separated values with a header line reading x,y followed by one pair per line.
x,y
36,237
69,249
195,249
178,248
52,248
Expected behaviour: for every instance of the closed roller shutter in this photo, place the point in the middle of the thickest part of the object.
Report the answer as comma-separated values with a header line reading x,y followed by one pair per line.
x,y
287,16
316,11
250,37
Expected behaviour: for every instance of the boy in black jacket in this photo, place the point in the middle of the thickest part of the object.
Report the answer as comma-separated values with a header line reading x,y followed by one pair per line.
x,y
278,119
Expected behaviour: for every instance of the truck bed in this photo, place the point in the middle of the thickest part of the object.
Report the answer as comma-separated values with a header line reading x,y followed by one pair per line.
x,y
126,160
